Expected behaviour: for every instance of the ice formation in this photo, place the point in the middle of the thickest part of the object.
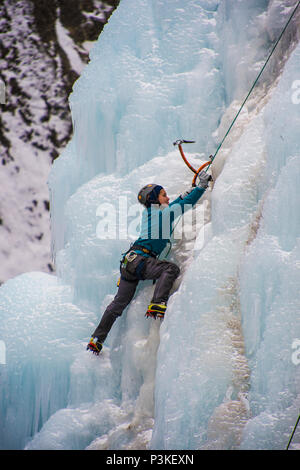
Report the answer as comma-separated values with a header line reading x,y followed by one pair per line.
x,y
222,370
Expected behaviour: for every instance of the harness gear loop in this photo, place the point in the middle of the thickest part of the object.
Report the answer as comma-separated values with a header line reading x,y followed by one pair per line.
x,y
254,83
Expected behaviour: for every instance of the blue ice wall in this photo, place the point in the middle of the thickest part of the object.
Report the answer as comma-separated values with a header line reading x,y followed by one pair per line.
x,y
145,86
227,375
219,372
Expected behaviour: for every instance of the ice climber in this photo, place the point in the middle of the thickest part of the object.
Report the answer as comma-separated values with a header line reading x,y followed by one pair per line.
x,y
141,261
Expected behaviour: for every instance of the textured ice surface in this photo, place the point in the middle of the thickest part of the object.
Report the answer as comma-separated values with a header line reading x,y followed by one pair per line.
x,y
219,372
240,324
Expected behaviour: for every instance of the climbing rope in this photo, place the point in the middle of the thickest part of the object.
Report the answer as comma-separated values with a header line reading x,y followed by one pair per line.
x,y
292,435
255,82
212,157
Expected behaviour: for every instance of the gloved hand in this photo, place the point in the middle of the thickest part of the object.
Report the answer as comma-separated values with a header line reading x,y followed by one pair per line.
x,y
204,179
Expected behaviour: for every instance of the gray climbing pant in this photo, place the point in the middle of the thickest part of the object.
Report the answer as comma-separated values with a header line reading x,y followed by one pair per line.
x,y
164,272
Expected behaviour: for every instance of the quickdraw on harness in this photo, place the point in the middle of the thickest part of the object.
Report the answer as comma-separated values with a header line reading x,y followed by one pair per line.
x,y
206,164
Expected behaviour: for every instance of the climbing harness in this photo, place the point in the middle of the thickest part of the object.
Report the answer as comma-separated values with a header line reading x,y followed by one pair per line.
x,y
132,263
207,164
292,435
212,157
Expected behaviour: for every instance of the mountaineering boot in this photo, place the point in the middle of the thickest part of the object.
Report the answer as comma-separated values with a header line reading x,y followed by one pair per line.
x,y
156,310
94,345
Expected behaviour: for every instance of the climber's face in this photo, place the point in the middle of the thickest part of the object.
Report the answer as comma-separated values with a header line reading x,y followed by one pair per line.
x,y
163,198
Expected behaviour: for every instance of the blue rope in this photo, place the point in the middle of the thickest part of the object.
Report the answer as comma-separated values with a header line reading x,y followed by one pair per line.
x,y
292,435
254,84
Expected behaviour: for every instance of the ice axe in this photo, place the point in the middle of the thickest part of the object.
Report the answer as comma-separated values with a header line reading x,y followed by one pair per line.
x,y
179,143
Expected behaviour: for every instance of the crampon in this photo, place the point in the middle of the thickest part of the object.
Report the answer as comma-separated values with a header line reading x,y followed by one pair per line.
x,y
156,311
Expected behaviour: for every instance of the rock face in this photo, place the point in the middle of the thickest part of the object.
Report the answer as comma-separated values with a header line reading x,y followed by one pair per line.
x,y
43,49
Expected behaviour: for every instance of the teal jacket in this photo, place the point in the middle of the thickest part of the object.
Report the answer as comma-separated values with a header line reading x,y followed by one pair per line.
x,y
157,223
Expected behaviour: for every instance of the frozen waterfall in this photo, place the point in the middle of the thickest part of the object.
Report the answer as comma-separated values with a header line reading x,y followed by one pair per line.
x,y
222,371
